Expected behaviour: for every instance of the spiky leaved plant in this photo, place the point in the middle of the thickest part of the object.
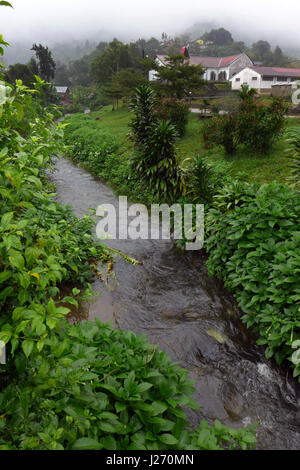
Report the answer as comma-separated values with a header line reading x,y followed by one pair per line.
x,y
155,160
143,103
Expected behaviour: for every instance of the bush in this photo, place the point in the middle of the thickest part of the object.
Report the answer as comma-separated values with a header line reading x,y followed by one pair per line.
x,y
89,97
174,110
221,130
293,151
203,180
94,387
254,125
259,125
253,246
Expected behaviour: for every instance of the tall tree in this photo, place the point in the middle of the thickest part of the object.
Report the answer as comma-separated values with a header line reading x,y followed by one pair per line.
x,y
220,37
278,57
115,57
179,78
46,64
261,51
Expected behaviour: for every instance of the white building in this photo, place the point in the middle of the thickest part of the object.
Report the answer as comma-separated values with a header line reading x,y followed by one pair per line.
x,y
216,68
263,78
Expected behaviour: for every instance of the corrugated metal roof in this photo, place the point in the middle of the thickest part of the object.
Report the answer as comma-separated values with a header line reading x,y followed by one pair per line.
x,y
276,71
61,89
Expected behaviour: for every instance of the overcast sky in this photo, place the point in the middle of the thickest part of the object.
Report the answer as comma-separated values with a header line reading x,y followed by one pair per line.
x,y
53,20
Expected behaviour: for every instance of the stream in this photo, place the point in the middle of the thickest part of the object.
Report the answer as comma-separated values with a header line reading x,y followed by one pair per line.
x,y
172,300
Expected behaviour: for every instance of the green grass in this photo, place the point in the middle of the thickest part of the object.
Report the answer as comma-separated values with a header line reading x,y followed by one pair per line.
x,y
251,167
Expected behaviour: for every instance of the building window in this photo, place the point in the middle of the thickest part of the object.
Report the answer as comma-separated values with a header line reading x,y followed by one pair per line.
x,y
254,78
222,76
237,79
282,79
267,78
213,76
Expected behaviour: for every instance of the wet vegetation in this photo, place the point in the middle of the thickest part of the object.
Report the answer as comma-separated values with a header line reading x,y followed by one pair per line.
x,y
87,385
252,230
73,386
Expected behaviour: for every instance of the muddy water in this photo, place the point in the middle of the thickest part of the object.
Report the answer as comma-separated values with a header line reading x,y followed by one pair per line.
x,y
172,300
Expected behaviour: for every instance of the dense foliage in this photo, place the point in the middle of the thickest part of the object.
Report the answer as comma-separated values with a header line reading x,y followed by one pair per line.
x,y
94,387
253,245
203,180
175,111
155,160
254,125
82,386
293,150
178,78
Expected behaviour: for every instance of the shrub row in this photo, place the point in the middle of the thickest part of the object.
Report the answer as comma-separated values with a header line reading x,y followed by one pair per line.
x,y
254,246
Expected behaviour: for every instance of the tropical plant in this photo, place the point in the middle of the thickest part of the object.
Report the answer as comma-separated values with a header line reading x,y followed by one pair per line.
x,y
203,180
293,151
253,245
142,104
156,163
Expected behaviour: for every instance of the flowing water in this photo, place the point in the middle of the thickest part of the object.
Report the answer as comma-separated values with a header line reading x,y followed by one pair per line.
x,y
172,300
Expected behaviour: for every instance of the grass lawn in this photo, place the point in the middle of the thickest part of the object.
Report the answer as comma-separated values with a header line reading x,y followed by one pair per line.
x,y
250,167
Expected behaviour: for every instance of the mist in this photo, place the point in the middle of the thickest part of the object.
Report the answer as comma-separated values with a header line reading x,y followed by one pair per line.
x,y
54,21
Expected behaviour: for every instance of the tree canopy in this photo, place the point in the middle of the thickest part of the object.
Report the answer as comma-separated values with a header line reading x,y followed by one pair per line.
x,y
46,64
178,78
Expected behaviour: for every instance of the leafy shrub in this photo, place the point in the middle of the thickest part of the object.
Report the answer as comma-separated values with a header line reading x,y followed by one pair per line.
x,y
100,388
259,125
88,145
293,151
254,247
89,97
221,130
254,125
203,180
173,110
208,132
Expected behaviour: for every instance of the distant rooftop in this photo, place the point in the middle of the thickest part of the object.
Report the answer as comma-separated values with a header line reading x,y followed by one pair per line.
x,y
61,89
215,62
276,71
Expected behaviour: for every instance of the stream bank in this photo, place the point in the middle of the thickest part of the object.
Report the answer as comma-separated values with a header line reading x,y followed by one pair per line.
x,y
172,300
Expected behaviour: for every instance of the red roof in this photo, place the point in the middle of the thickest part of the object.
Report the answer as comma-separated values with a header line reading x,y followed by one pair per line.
x,y
211,62
225,61
284,70
276,71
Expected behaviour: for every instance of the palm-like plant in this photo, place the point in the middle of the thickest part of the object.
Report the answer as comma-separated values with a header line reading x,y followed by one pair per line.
x,y
143,104
247,93
155,160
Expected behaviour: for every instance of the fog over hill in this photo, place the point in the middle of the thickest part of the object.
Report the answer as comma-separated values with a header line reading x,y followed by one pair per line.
x,y
68,24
